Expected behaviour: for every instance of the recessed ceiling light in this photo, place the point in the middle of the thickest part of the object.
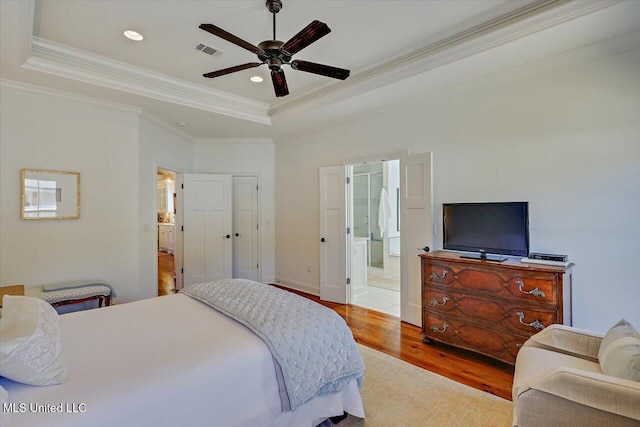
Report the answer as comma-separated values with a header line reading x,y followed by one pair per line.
x,y
133,35
256,79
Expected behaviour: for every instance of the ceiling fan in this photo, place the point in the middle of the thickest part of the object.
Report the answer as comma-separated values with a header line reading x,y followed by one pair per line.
x,y
275,53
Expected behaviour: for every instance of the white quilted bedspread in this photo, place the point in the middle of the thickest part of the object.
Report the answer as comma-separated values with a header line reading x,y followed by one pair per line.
x,y
313,349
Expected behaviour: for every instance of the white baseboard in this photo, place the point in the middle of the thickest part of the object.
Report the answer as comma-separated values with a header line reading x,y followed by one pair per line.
x,y
292,284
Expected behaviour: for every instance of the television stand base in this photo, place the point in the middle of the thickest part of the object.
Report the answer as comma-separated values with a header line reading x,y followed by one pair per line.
x,y
484,257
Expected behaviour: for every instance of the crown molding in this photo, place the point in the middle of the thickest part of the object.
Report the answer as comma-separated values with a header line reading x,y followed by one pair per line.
x,y
42,92
580,55
60,60
45,92
528,20
235,140
26,10
50,57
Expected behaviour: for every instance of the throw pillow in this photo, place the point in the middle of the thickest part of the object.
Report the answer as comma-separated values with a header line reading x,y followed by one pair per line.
x,y
619,353
30,348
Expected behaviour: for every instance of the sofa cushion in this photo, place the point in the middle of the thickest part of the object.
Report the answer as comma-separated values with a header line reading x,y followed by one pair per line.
x,y
568,340
619,353
533,362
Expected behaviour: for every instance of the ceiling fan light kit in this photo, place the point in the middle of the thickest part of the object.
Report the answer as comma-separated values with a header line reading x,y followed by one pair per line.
x,y
275,53
133,35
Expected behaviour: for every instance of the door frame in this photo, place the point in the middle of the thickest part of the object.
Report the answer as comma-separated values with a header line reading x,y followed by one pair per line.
x,y
178,235
349,195
348,202
177,242
348,166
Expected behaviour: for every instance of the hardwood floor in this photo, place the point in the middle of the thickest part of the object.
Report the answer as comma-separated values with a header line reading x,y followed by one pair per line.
x,y
166,282
399,339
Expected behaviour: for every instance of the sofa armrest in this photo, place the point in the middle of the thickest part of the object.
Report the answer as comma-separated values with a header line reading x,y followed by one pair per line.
x,y
568,340
604,392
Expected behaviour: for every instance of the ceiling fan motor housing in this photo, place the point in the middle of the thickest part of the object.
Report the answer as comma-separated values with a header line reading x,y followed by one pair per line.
x,y
274,6
272,55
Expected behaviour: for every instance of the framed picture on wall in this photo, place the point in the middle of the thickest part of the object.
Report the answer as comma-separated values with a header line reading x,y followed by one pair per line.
x,y
47,194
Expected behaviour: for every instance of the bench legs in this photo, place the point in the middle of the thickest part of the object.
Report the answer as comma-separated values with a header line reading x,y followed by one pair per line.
x,y
103,301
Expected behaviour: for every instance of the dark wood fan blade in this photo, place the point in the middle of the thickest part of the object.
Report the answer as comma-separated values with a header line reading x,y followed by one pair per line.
x,y
279,83
230,37
323,70
231,69
306,36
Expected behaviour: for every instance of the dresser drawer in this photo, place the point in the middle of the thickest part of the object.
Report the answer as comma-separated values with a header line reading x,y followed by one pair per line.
x,y
504,314
536,287
472,336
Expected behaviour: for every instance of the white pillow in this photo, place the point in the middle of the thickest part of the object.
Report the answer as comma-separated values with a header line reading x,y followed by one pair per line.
x,y
30,347
619,353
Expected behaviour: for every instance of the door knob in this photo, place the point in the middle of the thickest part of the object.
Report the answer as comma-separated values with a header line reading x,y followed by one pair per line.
x,y
228,236
237,234
323,240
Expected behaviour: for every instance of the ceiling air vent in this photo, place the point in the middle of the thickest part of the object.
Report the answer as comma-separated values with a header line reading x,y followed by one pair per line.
x,y
209,50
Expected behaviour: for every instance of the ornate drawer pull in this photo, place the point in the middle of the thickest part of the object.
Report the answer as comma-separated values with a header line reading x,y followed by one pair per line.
x,y
434,328
434,275
519,345
434,302
535,291
535,324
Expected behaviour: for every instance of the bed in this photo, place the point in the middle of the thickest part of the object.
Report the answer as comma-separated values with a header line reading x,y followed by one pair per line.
x,y
168,361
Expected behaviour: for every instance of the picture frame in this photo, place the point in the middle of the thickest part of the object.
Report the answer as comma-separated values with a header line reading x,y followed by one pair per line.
x,y
49,194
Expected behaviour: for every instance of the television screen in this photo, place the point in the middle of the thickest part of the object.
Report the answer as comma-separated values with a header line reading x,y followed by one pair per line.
x,y
493,227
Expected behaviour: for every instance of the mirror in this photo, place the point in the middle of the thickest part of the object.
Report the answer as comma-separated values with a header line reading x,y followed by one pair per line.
x,y
50,194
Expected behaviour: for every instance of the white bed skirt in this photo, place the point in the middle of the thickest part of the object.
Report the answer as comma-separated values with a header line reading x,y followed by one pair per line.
x,y
168,361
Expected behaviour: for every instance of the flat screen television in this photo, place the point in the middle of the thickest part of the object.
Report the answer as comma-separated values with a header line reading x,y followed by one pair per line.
x,y
499,228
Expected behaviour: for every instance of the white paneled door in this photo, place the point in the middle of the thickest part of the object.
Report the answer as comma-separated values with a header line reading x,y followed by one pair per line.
x,y
245,227
208,243
333,234
416,230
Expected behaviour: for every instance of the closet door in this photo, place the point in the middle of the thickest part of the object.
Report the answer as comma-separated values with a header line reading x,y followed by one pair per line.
x,y
208,243
245,227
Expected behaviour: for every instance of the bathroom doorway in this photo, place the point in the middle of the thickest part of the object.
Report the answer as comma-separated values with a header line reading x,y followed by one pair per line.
x,y
166,220
375,245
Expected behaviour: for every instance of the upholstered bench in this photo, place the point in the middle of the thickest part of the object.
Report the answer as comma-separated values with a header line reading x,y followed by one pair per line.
x,y
64,293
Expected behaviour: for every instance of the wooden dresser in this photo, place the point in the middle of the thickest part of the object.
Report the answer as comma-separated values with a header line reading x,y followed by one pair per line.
x,y
491,307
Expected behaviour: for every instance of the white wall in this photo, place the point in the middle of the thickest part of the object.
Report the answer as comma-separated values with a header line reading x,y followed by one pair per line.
x,y
567,141
38,132
251,157
116,152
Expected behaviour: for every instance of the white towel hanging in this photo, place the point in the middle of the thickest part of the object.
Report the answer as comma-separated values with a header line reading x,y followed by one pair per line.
x,y
384,211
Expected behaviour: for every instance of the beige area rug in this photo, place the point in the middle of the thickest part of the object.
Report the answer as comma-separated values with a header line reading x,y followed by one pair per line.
x,y
398,394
